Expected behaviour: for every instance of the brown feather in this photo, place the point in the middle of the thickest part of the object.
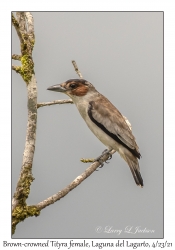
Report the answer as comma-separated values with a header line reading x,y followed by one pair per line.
x,y
80,90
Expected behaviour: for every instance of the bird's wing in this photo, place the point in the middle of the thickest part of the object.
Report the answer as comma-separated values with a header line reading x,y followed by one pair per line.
x,y
105,115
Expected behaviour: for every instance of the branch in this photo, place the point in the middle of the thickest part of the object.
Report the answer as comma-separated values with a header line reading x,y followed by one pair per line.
x,y
17,69
61,101
42,104
52,199
86,160
16,25
25,179
22,22
20,210
76,69
30,24
16,57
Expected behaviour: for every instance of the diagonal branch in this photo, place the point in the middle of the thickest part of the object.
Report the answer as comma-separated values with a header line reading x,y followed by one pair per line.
x,y
52,199
42,104
16,25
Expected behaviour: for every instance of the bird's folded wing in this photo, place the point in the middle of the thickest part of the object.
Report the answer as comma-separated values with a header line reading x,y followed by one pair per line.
x,y
104,113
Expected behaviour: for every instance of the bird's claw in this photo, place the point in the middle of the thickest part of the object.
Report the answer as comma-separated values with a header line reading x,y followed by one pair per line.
x,y
99,158
101,163
110,156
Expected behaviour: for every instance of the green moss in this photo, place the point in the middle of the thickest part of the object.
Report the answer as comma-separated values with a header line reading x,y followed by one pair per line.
x,y
18,69
24,185
27,68
21,212
32,43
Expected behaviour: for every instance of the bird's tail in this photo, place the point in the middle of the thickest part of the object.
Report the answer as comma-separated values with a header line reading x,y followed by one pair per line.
x,y
133,164
135,170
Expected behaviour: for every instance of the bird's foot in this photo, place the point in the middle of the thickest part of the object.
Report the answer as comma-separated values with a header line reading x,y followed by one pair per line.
x,y
101,164
106,151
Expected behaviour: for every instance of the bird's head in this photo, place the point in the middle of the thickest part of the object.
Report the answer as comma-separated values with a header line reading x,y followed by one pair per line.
x,y
73,87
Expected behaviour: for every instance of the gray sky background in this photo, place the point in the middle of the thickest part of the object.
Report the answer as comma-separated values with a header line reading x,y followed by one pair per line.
x,y
121,54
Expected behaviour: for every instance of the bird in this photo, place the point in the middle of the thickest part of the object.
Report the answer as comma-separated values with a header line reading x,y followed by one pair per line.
x,y
104,120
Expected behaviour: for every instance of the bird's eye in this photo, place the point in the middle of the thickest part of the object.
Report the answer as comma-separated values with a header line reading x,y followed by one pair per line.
x,y
73,85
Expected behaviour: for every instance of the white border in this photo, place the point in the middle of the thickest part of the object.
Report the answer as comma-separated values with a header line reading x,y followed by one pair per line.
x,y
169,83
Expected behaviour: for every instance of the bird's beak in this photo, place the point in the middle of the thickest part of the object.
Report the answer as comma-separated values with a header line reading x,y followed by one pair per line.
x,y
57,88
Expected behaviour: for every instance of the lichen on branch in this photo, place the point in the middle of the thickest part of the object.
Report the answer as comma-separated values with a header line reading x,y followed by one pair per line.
x,y
16,57
21,212
27,68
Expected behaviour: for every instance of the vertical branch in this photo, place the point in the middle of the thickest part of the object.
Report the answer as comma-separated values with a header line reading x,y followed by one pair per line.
x,y
30,23
20,210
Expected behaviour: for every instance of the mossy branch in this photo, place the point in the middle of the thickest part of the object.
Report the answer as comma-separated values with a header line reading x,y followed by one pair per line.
x,y
17,69
26,70
20,210
16,57
87,160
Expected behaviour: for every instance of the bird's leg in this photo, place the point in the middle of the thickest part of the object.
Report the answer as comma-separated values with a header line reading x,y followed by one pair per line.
x,y
106,151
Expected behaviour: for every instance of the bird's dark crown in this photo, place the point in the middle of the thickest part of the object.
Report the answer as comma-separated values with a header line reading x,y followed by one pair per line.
x,y
83,81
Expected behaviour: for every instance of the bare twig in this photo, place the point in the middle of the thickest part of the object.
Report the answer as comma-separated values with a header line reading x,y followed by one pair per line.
x,y
76,69
61,101
16,57
52,199
42,104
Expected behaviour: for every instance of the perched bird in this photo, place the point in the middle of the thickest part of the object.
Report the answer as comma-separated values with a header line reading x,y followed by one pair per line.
x,y
104,120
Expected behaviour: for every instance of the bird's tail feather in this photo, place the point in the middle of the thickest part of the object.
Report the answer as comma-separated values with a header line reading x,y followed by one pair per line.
x,y
134,167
